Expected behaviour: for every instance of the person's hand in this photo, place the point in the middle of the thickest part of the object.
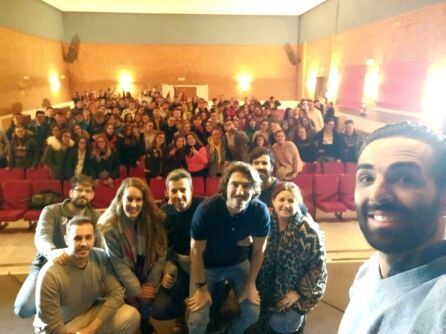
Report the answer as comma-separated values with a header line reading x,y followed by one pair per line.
x,y
148,291
168,281
58,256
252,294
194,150
138,163
287,300
200,298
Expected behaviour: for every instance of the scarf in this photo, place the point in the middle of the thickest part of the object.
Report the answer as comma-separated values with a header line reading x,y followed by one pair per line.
x,y
135,246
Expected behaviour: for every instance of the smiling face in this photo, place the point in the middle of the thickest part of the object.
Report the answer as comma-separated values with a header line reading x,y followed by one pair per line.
x,y
263,166
81,195
239,192
132,202
285,205
80,240
180,194
191,140
396,198
179,143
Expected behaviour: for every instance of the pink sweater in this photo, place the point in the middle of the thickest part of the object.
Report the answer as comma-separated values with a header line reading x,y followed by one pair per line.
x,y
197,161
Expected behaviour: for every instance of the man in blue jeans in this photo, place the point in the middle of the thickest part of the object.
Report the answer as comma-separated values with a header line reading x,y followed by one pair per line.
x,y
219,228
50,241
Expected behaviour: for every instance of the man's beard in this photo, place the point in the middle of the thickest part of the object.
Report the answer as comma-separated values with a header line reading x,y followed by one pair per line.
x,y
417,226
78,204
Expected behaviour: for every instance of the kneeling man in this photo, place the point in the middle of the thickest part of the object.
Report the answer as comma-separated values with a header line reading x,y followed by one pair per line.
x,y
82,295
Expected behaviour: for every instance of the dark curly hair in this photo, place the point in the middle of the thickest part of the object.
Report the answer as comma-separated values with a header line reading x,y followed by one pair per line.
x,y
244,168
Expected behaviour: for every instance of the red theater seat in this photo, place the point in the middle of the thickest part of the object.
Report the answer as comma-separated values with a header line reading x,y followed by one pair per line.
x,y
333,168
104,194
40,173
350,168
16,198
198,186
158,188
138,172
212,185
12,174
66,187
305,184
309,168
326,189
347,183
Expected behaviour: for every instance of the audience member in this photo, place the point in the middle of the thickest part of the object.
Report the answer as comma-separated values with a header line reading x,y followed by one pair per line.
x,y
196,156
353,142
23,151
288,161
104,160
305,145
4,150
56,153
78,160
155,158
176,156
329,143
236,143
216,149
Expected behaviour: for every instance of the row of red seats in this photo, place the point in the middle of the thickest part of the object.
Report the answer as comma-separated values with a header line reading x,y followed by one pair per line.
x,y
336,168
332,193
329,193
43,173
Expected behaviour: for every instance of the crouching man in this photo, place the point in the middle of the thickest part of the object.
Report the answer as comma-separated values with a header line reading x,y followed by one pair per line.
x,y
82,295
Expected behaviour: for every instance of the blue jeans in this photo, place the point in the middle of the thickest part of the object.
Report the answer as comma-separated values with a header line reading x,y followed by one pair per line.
x,y
237,276
25,302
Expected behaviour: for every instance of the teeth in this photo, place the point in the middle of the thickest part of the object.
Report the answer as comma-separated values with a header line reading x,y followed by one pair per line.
x,y
382,218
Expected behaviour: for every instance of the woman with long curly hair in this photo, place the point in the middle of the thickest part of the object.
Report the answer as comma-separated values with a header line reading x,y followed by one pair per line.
x,y
135,240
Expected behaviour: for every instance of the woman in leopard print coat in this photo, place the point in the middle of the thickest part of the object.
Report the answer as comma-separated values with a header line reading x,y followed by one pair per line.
x,y
293,277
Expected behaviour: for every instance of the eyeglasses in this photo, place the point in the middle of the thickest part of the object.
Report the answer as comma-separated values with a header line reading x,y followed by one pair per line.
x,y
82,190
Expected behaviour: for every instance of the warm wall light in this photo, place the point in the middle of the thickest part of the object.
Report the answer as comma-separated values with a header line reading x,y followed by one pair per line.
x,y
311,83
433,97
125,81
334,78
371,83
53,78
244,81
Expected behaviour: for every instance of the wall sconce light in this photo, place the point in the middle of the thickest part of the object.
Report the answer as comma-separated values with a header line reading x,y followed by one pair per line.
x,y
244,81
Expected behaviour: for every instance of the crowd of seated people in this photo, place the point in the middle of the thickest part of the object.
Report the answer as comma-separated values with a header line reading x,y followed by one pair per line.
x,y
104,131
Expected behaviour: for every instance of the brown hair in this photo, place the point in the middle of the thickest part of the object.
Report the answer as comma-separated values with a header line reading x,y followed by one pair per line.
x,y
150,215
287,186
244,168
